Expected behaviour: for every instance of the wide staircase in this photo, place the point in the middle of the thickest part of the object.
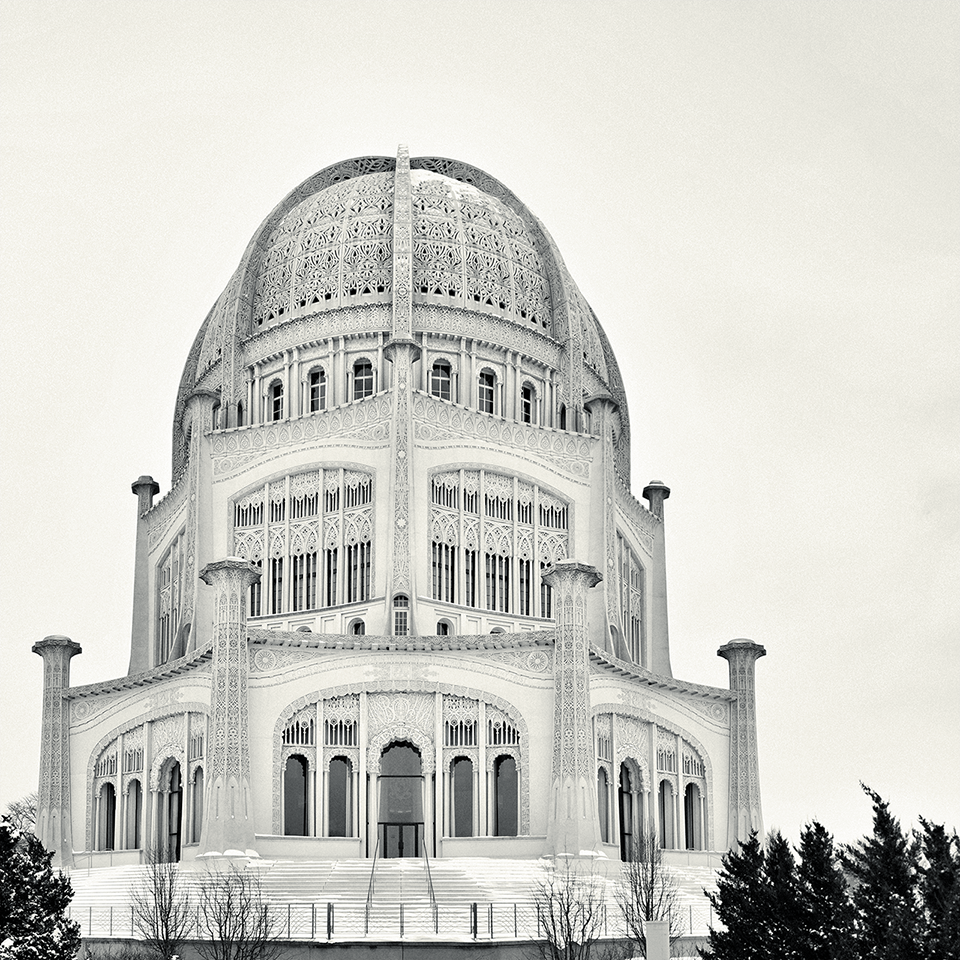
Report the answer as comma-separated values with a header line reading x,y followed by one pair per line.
x,y
386,899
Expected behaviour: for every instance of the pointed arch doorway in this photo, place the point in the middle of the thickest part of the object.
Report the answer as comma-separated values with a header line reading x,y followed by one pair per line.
x,y
400,808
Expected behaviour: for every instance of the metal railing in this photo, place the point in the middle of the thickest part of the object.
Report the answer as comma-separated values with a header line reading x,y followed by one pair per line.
x,y
351,920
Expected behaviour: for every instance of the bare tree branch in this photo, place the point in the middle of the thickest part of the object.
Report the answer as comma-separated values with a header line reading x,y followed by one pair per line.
x,y
234,921
23,812
647,890
160,906
571,906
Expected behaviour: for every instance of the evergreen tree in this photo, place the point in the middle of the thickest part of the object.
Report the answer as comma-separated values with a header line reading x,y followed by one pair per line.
x,y
742,903
784,910
939,889
826,915
33,901
887,920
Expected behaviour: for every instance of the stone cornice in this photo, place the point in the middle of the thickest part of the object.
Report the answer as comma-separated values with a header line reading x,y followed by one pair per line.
x,y
324,641
148,678
621,668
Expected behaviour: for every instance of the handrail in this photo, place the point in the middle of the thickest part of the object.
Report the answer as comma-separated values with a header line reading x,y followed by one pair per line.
x,y
426,860
373,870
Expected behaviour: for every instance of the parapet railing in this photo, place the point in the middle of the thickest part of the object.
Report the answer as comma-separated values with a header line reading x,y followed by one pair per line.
x,y
353,920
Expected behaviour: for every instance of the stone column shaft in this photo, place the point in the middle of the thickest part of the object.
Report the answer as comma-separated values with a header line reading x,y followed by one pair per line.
x,y
146,488
228,806
573,828
745,814
54,819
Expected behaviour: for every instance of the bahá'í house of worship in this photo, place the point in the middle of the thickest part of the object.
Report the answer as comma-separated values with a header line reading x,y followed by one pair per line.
x,y
400,600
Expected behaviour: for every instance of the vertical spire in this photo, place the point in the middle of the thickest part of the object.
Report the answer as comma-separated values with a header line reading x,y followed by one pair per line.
x,y
228,805
402,248
54,826
573,828
745,814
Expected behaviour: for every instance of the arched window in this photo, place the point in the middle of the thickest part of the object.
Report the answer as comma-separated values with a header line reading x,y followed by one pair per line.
x,y
197,805
505,797
106,817
461,797
528,404
362,379
275,401
215,416
667,820
401,616
171,812
295,811
441,380
692,817
443,628
357,628
340,798
625,799
603,804
316,391
240,414
563,416
486,391
134,813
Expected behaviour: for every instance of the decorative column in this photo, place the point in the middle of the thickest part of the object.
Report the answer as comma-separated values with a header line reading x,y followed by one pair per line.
x,y
745,814
228,806
146,488
54,827
656,492
401,350
573,828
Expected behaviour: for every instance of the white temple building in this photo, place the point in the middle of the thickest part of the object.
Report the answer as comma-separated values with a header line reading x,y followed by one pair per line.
x,y
400,600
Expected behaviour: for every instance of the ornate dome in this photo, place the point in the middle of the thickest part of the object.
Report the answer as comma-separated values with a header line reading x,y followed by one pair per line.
x,y
328,247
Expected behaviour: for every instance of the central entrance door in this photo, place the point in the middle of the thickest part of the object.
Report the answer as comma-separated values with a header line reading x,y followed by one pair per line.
x,y
401,801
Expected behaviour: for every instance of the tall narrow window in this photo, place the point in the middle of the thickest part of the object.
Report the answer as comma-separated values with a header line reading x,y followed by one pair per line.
x,y
524,592
563,416
358,572
625,798
444,572
692,819
134,813
276,584
470,577
330,577
256,593
197,805
276,400
240,414
441,380
461,797
546,596
305,581
216,416
498,582
317,391
362,379
107,817
666,815
505,799
485,391
295,814
603,804
527,404
340,798
401,616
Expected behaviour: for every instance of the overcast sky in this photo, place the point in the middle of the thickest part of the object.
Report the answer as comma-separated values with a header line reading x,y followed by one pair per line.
x,y
760,201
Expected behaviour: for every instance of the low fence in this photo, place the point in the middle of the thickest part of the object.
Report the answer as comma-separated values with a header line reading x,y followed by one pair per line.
x,y
351,921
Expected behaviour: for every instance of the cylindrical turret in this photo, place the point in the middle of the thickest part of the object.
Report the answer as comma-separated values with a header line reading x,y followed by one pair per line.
x,y
655,492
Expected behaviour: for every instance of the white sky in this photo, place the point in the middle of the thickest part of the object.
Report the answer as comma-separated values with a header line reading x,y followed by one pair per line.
x,y
760,200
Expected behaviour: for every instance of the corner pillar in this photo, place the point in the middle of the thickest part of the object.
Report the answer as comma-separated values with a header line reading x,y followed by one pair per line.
x,y
573,828
228,805
54,819
145,488
744,812
655,493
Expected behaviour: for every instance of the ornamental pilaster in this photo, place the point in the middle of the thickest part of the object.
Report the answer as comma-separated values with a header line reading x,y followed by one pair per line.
x,y
401,350
54,827
573,828
228,804
744,813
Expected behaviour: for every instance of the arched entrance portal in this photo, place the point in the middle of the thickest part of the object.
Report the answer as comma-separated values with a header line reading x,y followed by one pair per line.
x,y
400,827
